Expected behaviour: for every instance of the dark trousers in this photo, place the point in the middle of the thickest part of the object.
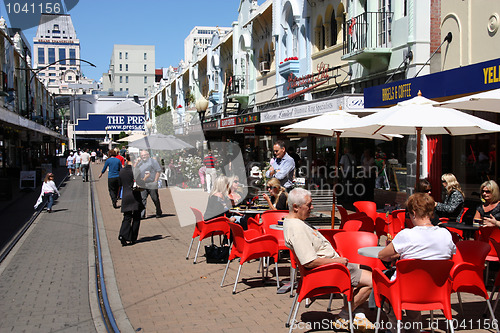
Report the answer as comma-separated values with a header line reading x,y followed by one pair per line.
x,y
85,172
131,222
154,197
114,189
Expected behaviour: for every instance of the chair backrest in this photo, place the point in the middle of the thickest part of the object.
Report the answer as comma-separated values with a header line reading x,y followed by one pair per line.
x,y
414,276
397,221
345,216
270,217
238,236
461,220
348,244
251,247
323,280
485,234
364,223
329,233
367,207
253,223
198,215
215,226
496,246
473,252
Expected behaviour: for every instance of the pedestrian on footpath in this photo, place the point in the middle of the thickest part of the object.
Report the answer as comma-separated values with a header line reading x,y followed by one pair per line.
x,y
93,155
85,160
148,171
78,162
114,166
49,192
70,163
131,205
210,173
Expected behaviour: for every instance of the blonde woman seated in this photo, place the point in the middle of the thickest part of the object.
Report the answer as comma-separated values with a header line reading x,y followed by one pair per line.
x,y
453,203
278,197
489,211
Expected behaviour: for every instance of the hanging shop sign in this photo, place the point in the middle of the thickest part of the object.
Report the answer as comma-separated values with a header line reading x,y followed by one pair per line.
x,y
458,81
227,122
210,125
248,119
248,130
115,123
310,81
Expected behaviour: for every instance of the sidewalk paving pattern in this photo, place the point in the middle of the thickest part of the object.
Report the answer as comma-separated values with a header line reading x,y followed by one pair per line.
x,y
44,284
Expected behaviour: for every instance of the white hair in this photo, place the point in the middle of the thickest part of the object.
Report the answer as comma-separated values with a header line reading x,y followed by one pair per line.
x,y
298,196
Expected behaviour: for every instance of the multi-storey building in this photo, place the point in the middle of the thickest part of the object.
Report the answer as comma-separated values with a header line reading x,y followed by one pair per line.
x,y
57,55
131,70
202,37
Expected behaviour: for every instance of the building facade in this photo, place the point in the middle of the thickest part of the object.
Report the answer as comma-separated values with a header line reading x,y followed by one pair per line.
x,y
287,60
202,37
131,70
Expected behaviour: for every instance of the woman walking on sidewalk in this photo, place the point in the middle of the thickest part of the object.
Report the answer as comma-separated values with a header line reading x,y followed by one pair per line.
x,y
49,192
131,205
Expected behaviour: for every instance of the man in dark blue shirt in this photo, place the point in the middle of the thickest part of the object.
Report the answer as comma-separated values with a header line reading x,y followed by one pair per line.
x,y
114,166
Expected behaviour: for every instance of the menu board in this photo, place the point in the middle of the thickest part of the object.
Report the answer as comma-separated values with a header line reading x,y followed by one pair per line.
x,y
400,179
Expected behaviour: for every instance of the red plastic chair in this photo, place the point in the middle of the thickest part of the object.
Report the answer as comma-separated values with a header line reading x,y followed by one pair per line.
x,y
213,227
496,246
363,223
396,221
329,235
348,244
406,292
345,216
485,234
255,226
467,273
197,227
247,249
323,280
455,230
270,217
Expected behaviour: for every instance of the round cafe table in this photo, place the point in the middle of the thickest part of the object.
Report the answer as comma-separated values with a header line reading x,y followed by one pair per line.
x,y
370,251
276,227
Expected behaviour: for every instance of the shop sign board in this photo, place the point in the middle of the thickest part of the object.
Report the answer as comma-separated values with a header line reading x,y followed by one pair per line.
x,y
248,119
210,125
227,122
27,179
464,80
115,123
348,103
249,130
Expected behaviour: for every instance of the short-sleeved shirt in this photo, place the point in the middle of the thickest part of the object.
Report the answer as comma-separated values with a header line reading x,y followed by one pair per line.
x,y
209,161
85,158
428,243
309,244
70,160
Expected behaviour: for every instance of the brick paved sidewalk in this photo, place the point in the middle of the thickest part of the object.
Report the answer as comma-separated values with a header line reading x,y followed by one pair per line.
x,y
161,291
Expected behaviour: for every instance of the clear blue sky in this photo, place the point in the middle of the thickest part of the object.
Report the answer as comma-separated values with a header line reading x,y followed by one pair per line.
x,y
100,24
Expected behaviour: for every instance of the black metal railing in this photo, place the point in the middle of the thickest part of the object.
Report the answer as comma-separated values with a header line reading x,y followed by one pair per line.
x,y
368,30
237,85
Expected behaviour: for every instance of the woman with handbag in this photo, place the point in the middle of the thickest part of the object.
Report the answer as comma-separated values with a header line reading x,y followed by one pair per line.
x,y
49,192
131,205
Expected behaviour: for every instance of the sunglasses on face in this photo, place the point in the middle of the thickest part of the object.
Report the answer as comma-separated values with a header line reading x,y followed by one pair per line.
x,y
485,191
271,187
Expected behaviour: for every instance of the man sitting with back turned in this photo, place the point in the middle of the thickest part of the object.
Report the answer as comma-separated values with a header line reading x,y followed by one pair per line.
x,y
313,250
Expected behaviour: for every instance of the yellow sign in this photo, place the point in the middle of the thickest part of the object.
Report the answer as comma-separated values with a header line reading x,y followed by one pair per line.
x,y
396,92
491,74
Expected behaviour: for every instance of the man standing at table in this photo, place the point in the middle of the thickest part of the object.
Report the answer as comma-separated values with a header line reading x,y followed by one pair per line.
x,y
314,250
282,166
149,173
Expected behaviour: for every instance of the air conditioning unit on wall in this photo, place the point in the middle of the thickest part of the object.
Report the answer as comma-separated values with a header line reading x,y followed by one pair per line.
x,y
264,66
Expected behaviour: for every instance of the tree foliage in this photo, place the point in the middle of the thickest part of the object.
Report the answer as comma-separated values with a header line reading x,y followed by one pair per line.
x,y
164,120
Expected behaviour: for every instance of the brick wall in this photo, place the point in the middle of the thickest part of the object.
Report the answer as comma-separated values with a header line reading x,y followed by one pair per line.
x,y
435,25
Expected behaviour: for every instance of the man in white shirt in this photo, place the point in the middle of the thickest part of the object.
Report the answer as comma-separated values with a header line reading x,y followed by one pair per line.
x,y
85,161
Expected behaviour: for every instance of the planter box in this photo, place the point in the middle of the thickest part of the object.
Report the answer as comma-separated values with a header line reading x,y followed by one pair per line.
x,y
289,67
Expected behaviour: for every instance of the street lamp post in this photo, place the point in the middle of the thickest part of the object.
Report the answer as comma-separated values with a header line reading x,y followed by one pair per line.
x,y
201,108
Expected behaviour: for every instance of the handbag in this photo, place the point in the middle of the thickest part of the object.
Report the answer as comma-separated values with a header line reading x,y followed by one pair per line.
x,y
137,188
217,254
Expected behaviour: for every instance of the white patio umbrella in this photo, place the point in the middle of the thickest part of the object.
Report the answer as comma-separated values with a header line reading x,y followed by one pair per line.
x,y
133,137
420,115
485,101
332,124
160,142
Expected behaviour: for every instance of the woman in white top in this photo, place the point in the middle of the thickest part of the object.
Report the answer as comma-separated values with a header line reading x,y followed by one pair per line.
x,y
423,241
49,189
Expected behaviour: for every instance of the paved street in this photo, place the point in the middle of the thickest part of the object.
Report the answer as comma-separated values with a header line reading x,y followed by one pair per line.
x,y
44,283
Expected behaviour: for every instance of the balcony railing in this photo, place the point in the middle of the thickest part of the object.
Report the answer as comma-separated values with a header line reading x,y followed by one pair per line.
x,y
237,85
369,30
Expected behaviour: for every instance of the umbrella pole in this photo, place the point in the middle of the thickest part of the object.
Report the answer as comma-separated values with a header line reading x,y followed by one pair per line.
x,y
417,178
337,144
